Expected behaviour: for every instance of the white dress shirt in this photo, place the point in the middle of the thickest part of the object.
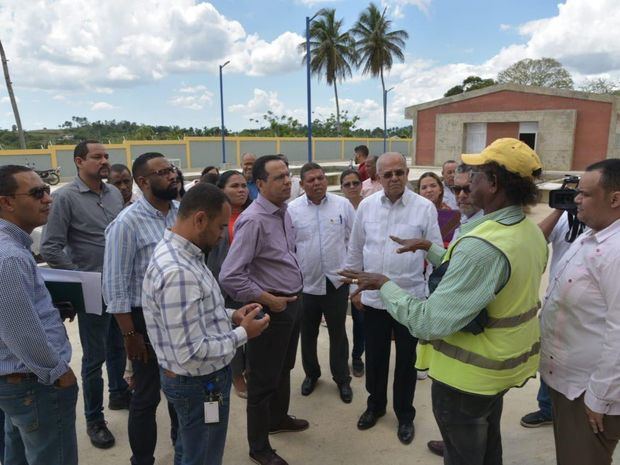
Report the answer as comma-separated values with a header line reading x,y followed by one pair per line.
x,y
558,242
322,235
580,322
449,198
372,250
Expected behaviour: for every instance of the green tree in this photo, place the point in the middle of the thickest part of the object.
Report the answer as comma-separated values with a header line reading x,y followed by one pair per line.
x,y
469,83
544,72
332,51
377,45
600,86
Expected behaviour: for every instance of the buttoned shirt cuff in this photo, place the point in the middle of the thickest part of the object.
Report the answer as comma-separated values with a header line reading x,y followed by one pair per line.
x,y
55,373
118,306
435,254
595,404
241,337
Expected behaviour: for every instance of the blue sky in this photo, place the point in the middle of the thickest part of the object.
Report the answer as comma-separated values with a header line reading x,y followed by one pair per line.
x,y
156,61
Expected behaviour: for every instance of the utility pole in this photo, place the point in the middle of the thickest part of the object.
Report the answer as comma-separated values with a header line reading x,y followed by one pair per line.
x,y
9,88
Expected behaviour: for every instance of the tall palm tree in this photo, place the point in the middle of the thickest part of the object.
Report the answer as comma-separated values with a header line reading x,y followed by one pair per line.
x,y
9,88
376,45
332,52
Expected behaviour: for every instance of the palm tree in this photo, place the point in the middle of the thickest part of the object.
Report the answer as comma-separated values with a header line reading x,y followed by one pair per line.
x,y
332,52
376,45
9,88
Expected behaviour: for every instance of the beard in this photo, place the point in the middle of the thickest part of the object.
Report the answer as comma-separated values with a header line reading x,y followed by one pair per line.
x,y
169,193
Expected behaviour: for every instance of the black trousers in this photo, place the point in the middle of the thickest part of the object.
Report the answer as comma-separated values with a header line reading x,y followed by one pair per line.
x,y
271,357
142,426
334,306
379,327
469,425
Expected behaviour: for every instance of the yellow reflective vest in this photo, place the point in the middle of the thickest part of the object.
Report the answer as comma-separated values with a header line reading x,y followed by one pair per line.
x,y
506,353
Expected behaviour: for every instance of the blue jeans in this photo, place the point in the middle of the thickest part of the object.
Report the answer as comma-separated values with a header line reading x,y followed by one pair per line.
x,y
199,443
1,436
544,400
101,342
39,424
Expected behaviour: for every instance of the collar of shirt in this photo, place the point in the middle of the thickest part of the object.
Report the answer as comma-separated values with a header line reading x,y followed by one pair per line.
x,y
82,187
270,207
17,233
404,199
508,215
604,234
151,209
311,203
474,217
184,245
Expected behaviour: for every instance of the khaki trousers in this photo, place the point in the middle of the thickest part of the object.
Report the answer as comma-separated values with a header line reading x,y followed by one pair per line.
x,y
575,443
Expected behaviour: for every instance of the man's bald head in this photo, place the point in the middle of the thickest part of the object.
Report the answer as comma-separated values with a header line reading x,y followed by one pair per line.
x,y
391,157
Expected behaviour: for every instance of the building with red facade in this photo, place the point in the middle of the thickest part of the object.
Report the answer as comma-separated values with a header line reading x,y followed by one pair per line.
x,y
568,129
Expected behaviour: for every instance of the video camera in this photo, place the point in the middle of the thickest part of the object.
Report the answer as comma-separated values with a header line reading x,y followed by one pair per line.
x,y
564,198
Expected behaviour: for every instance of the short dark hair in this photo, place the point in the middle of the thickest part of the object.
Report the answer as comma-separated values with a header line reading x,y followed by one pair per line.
x,y
210,178
8,183
446,162
202,197
610,173
259,171
361,149
349,171
309,167
139,165
284,158
81,149
209,168
518,190
119,168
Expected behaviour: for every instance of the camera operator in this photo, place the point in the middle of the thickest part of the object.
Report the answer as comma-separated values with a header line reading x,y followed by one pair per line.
x,y
580,325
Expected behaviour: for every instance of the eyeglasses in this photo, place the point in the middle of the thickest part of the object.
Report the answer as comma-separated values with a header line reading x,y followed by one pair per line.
x,y
351,184
458,189
37,193
164,171
390,174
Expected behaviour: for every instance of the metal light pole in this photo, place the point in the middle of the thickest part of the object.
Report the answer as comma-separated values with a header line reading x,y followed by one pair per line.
x,y
309,91
222,114
385,92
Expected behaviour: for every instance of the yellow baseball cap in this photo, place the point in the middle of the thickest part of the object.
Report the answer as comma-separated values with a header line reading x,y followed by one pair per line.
x,y
514,155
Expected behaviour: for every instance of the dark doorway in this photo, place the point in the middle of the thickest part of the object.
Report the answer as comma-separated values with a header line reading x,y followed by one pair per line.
x,y
529,139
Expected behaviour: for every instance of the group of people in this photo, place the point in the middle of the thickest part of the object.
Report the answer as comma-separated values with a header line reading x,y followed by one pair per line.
x,y
212,284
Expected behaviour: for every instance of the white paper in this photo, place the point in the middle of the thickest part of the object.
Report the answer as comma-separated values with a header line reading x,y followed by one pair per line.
x,y
91,285
212,412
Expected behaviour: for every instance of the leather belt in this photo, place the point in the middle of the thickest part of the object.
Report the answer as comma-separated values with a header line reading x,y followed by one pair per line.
x,y
281,294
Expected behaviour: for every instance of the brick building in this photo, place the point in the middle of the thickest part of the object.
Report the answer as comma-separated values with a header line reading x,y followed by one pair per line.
x,y
568,129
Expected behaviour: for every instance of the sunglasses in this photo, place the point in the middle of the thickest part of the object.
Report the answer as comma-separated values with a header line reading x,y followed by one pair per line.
x,y
164,171
390,174
37,193
351,184
457,189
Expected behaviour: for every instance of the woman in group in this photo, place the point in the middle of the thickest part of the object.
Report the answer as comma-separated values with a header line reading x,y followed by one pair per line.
x,y
235,187
431,187
351,187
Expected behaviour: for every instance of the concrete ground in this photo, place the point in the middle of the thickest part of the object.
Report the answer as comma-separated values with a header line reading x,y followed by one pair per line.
x,y
333,437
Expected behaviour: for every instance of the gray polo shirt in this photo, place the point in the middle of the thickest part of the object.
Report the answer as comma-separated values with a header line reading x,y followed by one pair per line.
x,y
74,238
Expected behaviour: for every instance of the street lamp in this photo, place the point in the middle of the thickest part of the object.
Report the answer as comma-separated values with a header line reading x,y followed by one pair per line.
x,y
385,92
222,114
308,21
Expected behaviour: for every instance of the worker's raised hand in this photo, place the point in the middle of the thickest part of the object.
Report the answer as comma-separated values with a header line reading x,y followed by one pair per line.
x,y
411,245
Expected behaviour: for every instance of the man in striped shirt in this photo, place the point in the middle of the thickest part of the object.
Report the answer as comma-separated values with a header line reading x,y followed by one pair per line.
x,y
38,390
189,327
130,241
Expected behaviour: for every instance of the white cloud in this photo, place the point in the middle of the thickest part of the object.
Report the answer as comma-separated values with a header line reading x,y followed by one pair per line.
x,y
102,106
261,102
396,7
90,44
192,97
505,27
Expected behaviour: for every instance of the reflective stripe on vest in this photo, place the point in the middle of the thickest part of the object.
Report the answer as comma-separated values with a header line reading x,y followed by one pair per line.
x,y
478,360
512,321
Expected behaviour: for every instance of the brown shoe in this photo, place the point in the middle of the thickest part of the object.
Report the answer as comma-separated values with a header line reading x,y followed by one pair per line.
x,y
290,425
436,447
267,457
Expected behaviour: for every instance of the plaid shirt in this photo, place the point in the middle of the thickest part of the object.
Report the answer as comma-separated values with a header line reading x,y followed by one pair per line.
x,y
186,321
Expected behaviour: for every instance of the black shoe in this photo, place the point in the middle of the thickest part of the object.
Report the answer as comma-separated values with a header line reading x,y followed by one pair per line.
x,y
369,419
308,386
120,402
406,432
436,447
535,419
99,434
357,366
290,425
267,457
346,393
